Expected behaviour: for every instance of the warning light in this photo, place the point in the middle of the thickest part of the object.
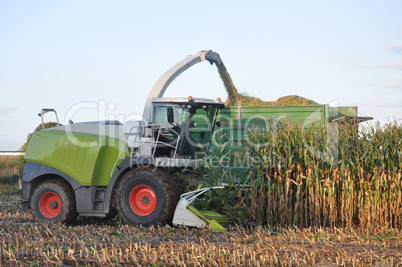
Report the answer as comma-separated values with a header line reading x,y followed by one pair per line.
x,y
190,99
219,99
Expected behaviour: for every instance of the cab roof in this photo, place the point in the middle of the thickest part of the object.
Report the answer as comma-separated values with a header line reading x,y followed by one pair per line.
x,y
196,102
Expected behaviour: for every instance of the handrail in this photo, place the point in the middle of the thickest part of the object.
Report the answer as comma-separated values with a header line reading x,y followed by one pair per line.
x,y
156,142
46,110
160,142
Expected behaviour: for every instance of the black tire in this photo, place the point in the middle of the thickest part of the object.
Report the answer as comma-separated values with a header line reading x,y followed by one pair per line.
x,y
53,201
149,208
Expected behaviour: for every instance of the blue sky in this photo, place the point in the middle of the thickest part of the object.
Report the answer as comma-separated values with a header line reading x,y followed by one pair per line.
x,y
109,54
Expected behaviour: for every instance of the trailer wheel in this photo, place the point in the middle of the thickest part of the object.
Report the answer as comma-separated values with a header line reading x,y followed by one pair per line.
x,y
146,198
53,201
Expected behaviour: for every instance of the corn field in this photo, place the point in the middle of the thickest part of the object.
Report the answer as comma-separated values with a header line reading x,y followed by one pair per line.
x,y
332,176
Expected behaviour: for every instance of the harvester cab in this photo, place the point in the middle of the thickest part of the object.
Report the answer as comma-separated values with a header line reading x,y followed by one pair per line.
x,y
179,128
105,168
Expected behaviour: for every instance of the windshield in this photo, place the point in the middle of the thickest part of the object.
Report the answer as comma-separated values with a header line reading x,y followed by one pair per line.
x,y
186,133
180,115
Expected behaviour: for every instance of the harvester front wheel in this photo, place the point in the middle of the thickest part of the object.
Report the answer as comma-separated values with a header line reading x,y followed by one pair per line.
x,y
54,201
146,198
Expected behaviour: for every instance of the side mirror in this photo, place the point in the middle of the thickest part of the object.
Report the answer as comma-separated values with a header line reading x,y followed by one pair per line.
x,y
218,124
170,116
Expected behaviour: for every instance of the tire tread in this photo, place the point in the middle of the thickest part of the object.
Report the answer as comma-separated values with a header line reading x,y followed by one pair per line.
x,y
167,182
67,193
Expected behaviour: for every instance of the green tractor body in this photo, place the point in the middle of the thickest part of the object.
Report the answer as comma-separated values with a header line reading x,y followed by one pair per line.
x,y
85,157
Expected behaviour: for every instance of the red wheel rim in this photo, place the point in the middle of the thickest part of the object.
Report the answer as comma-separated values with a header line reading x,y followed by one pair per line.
x,y
142,200
50,205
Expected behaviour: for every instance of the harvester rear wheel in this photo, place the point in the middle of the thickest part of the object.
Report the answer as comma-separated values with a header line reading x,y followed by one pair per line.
x,y
53,201
146,197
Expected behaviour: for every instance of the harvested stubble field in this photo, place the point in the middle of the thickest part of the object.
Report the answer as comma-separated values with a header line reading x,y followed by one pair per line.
x,y
26,243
